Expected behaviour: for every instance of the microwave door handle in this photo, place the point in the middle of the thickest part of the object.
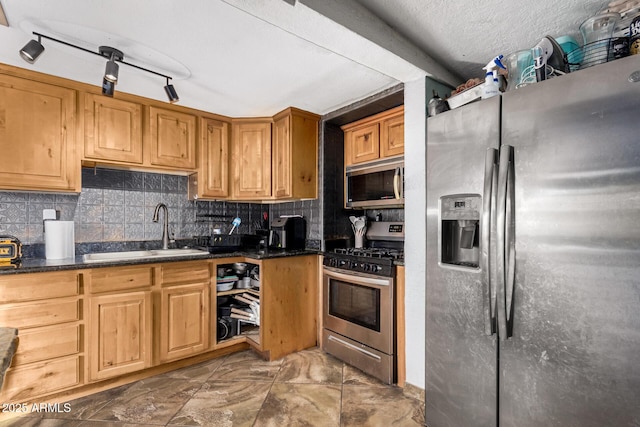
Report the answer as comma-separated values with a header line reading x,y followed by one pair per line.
x,y
396,184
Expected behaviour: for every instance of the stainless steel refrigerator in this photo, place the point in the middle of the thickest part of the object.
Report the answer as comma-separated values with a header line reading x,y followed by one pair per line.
x,y
533,255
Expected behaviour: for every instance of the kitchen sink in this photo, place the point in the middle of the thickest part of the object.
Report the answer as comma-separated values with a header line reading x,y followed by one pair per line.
x,y
133,255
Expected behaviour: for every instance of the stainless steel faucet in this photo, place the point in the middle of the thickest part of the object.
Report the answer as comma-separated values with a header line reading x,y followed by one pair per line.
x,y
165,224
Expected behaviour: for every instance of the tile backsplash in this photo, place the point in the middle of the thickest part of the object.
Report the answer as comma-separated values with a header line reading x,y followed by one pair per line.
x,y
117,205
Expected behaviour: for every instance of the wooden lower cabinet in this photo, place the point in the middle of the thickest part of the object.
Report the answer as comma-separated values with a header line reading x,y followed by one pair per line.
x,y
184,321
182,309
78,328
120,334
42,378
47,310
288,305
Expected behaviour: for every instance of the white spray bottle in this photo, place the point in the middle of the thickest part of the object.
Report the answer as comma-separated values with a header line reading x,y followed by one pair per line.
x,y
491,85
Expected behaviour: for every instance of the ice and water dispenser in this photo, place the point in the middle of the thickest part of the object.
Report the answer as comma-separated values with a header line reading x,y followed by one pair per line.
x,y
460,230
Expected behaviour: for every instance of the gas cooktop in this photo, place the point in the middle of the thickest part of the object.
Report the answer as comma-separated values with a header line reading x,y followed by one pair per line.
x,y
376,261
394,254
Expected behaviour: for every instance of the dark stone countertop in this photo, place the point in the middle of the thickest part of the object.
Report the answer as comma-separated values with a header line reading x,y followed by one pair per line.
x,y
38,265
8,346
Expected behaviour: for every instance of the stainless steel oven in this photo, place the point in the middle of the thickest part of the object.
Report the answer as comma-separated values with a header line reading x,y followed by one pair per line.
x,y
359,305
358,321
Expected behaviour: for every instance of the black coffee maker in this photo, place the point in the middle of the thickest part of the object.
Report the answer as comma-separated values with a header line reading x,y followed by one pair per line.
x,y
288,233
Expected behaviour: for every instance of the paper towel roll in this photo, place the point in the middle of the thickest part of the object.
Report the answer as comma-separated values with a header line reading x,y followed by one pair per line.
x,y
59,240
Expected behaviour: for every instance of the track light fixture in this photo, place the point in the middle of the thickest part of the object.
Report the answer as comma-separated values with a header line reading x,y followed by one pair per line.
x,y
111,70
32,50
171,92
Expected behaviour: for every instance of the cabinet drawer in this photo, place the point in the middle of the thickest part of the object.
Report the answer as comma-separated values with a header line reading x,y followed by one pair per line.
x,y
189,271
119,279
37,286
47,343
41,313
42,378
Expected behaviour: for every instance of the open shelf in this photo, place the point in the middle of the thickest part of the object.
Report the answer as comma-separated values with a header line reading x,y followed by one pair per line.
x,y
255,292
243,331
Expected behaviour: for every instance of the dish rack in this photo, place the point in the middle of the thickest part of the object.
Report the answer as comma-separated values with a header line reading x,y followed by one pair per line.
x,y
594,53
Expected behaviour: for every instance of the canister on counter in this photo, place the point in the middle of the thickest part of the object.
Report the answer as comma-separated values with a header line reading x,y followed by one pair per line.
x,y
634,36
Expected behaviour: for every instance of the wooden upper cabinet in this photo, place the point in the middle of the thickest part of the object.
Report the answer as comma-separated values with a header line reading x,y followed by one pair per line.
x,y
376,137
281,157
212,179
364,143
172,138
37,136
112,129
251,159
392,136
295,155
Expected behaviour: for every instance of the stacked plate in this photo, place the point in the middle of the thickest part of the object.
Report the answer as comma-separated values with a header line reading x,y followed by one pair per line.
x,y
226,283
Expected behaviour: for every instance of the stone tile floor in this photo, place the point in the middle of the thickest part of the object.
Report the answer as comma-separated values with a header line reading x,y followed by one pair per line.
x,y
309,388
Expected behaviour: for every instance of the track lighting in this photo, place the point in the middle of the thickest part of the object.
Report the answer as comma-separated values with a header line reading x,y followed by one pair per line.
x,y
171,92
111,70
32,50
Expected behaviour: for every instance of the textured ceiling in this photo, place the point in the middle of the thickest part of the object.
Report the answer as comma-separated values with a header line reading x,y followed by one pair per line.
x,y
256,57
464,36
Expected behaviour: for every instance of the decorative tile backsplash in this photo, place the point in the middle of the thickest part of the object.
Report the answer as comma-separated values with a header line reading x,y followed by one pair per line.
x,y
118,205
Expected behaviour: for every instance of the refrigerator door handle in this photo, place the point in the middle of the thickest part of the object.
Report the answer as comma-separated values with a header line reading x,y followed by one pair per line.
x,y
510,244
488,200
503,172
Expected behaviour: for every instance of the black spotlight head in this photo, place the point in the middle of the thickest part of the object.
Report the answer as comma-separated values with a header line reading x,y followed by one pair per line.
x,y
31,51
171,93
108,87
111,71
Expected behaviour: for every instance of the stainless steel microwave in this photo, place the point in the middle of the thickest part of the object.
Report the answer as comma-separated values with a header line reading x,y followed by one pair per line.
x,y
378,184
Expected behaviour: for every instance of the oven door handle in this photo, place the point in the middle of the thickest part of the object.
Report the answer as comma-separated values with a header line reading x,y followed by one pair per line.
x,y
353,347
357,279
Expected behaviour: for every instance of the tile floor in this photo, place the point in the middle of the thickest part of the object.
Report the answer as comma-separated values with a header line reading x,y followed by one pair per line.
x,y
309,388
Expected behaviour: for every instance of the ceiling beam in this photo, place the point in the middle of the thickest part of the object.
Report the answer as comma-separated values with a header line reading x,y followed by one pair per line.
x,y
349,30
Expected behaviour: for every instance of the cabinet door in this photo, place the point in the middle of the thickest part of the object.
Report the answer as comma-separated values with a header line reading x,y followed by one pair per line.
x,y
214,170
288,305
364,143
112,129
392,136
184,321
172,138
37,136
295,155
281,164
251,160
120,334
